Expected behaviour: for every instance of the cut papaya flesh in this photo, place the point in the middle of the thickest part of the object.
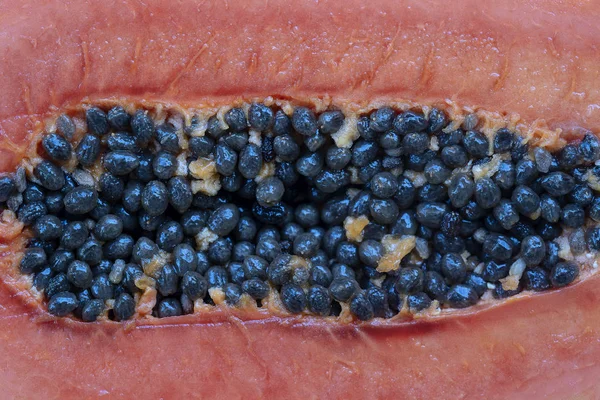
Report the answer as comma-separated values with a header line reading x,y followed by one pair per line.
x,y
574,307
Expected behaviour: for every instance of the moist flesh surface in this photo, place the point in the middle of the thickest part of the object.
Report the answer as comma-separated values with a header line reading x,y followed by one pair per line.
x,y
363,216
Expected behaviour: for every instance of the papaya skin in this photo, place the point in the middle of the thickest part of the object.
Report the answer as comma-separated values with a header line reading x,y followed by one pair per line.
x,y
537,59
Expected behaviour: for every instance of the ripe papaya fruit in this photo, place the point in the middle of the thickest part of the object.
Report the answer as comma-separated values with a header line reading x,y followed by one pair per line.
x,y
531,63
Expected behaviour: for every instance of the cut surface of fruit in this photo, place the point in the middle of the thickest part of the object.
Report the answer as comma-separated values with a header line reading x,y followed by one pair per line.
x,y
506,59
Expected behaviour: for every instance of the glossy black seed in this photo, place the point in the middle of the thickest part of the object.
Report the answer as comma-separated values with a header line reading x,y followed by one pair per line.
x,y
80,274
476,144
166,134
525,200
225,159
220,251
368,171
304,121
589,148
487,193
437,120
80,200
461,296
286,148
573,216
50,175
451,223
54,202
533,250
88,150
92,310
260,117
498,247
167,281
418,302
108,227
236,140
536,279
155,198
390,140
410,280
124,307
415,143
361,307
383,211
342,271
384,185
119,248
57,147
558,183
65,126
370,252
62,304
232,183
164,165
581,195
506,214
236,119
293,298
111,187
525,172
593,239
343,288
180,193
454,268
417,162
90,252
550,209
319,300
570,157
347,253
201,146
503,141
145,169
120,162
33,193
33,259
435,285
363,152
548,231
431,214
477,282
460,190
330,181
256,288
331,121
454,156
101,287
119,119
450,138
97,122
42,279
132,196
309,164
564,273
432,193
122,141
29,213
169,235
250,161
48,227
381,120
410,121
406,193
436,171
313,143
194,285
224,219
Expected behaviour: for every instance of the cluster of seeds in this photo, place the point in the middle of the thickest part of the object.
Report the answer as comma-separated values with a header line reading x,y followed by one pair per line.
x,y
260,205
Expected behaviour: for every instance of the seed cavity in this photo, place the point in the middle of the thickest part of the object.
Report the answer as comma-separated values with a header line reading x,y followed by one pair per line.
x,y
349,215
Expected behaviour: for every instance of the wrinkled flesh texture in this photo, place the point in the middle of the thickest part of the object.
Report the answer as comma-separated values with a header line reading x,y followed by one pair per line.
x,y
516,61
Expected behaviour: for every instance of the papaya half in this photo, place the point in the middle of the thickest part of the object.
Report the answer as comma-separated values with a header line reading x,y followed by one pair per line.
x,y
532,63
